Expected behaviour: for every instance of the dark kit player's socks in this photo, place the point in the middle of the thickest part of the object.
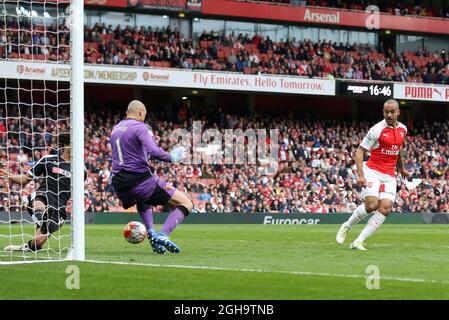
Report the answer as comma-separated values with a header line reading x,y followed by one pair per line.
x,y
147,218
38,217
174,218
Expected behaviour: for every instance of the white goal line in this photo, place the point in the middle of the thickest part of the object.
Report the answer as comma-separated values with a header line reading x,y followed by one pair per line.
x,y
28,262
297,273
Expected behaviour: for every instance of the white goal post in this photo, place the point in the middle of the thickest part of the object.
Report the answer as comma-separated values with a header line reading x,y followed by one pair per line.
x,y
77,118
40,36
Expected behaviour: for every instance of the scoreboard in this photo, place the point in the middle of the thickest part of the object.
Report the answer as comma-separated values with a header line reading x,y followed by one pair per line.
x,y
380,90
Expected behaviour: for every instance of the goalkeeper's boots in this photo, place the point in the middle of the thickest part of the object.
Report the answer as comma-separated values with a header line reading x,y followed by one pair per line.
x,y
357,245
342,234
157,248
163,240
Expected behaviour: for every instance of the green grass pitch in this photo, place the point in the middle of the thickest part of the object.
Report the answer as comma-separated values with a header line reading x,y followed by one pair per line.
x,y
244,262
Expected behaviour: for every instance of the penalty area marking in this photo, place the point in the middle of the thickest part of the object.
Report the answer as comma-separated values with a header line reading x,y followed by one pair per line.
x,y
297,273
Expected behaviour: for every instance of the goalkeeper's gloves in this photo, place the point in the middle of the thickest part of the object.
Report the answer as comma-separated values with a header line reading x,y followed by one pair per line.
x,y
178,154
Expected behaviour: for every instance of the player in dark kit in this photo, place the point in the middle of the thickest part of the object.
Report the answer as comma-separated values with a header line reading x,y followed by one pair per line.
x,y
47,205
134,183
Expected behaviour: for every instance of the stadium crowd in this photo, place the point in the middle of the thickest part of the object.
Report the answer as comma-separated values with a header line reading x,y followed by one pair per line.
x,y
386,6
166,47
33,41
316,170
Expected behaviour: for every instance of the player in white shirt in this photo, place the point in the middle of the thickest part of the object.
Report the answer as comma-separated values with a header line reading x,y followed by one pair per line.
x,y
378,175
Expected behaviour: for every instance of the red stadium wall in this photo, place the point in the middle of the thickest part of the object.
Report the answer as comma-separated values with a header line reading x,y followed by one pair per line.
x,y
321,16
137,3
107,3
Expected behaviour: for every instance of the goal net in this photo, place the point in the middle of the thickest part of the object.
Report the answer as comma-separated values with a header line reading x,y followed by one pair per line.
x,y
35,114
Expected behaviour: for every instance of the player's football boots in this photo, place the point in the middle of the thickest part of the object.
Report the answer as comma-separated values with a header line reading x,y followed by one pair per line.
x,y
163,240
157,248
357,246
23,248
342,234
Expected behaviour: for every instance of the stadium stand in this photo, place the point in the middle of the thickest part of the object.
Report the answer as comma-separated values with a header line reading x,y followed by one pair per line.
x,y
316,171
385,6
166,48
317,168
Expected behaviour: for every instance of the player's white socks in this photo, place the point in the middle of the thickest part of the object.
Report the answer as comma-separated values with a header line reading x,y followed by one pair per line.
x,y
373,224
358,215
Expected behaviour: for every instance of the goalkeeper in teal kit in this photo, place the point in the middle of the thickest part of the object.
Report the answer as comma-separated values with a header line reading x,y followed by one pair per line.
x,y
134,183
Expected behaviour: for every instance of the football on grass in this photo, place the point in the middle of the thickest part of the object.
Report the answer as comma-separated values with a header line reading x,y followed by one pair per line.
x,y
135,232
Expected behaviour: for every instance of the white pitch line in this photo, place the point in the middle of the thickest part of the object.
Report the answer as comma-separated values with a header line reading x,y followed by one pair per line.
x,y
298,273
29,259
28,262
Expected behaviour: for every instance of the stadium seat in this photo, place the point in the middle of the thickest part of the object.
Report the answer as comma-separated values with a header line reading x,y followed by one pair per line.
x,y
221,55
93,58
95,45
247,70
107,37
